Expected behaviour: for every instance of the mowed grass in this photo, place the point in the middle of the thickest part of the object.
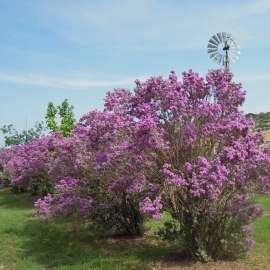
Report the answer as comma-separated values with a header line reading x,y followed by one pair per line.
x,y
262,231
28,243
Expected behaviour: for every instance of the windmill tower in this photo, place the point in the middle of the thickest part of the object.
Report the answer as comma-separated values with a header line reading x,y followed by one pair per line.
x,y
223,48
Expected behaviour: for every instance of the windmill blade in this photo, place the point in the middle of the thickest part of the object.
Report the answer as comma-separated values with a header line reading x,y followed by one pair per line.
x,y
212,46
233,53
237,57
224,36
231,58
216,58
233,50
228,36
216,39
213,41
219,60
232,46
212,50
213,54
220,37
232,43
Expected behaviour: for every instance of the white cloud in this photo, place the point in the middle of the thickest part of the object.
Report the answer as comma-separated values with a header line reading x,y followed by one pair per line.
x,y
81,81
149,23
68,83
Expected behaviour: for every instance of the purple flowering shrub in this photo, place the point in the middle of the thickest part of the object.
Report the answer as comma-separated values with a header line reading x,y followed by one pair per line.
x,y
122,200
40,164
68,157
178,146
202,161
27,167
213,164
74,177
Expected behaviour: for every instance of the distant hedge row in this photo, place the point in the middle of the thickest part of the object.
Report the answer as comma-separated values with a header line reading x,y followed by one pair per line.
x,y
262,120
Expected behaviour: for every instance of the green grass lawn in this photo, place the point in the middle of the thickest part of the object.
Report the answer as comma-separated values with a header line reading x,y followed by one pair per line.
x,y
262,231
28,243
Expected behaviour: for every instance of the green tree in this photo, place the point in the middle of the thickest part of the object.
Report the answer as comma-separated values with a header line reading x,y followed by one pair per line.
x,y
66,115
13,137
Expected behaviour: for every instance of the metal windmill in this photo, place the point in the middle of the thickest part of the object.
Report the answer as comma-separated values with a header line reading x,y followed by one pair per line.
x,y
223,48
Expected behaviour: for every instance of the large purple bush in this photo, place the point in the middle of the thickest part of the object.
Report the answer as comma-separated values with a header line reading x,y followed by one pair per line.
x,y
213,164
204,161
118,152
179,146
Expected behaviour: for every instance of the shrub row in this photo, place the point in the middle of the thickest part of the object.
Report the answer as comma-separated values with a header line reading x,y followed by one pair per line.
x,y
178,146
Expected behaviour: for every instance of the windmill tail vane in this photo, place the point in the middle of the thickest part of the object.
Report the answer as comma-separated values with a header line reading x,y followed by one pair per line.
x,y
223,48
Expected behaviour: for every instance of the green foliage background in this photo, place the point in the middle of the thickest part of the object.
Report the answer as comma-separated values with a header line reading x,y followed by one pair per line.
x,y
262,120
66,115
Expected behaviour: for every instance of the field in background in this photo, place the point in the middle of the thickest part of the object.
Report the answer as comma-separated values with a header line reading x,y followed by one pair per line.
x,y
267,133
28,243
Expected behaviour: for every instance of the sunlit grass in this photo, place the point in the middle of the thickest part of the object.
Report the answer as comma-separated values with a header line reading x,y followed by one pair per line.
x,y
262,231
28,243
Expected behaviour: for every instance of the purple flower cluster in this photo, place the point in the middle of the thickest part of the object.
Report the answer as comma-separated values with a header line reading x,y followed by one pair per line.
x,y
65,203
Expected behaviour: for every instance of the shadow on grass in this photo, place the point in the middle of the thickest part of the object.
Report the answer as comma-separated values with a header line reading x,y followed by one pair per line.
x,y
45,245
11,200
55,246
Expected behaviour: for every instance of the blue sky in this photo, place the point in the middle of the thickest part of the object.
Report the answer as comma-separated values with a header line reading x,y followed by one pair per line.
x,y
56,49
